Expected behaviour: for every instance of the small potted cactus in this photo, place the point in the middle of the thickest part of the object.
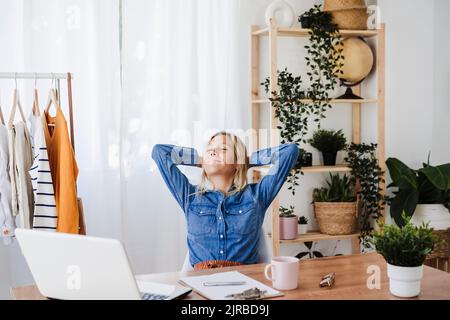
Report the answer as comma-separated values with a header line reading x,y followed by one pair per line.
x,y
302,225
288,223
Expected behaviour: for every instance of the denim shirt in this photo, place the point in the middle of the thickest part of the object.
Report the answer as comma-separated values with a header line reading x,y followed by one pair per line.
x,y
224,227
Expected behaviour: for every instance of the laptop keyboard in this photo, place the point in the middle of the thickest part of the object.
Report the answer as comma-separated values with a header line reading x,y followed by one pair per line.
x,y
153,296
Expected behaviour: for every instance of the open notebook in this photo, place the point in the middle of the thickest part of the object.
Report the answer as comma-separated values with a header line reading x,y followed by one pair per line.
x,y
221,292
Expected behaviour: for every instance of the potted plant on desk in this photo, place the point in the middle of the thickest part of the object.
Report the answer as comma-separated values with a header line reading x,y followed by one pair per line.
x,y
288,223
328,142
335,206
404,249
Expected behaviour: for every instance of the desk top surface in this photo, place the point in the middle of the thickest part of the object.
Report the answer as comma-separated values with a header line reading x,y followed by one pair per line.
x,y
352,275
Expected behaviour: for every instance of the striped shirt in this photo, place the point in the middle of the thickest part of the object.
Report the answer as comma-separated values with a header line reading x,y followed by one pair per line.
x,y
45,215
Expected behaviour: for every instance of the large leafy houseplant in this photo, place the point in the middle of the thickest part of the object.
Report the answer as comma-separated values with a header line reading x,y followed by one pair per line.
x,y
363,162
427,185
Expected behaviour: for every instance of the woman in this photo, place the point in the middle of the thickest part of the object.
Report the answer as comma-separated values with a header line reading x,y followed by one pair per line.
x,y
224,213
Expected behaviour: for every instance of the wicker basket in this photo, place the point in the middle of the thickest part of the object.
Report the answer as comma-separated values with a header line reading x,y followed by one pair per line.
x,y
443,249
348,14
336,218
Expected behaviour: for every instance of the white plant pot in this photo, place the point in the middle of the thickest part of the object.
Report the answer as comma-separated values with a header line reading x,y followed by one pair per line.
x,y
404,282
436,214
302,228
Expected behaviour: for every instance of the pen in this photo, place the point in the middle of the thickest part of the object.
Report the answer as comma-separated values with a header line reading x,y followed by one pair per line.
x,y
230,283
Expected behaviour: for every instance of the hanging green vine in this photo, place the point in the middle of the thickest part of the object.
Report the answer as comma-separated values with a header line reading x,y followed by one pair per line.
x,y
363,162
324,59
292,113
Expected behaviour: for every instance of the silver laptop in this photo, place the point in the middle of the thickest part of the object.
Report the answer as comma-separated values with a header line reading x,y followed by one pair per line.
x,y
66,266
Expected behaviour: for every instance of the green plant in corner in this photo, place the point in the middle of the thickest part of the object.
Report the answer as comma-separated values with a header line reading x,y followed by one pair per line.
x,y
363,162
286,212
406,246
428,185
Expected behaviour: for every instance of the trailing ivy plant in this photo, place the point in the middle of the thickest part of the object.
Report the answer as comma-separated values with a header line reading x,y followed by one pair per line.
x,y
291,112
324,59
364,166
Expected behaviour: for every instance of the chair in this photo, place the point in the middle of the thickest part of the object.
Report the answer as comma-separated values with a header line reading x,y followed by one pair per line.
x,y
263,254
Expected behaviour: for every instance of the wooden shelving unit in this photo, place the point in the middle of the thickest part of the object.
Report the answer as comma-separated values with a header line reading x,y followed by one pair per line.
x,y
258,101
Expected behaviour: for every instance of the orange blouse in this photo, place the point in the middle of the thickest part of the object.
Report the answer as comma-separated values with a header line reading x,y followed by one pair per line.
x,y
64,170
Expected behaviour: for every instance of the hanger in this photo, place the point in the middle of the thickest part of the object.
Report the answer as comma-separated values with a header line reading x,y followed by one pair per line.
x,y
52,100
16,104
36,110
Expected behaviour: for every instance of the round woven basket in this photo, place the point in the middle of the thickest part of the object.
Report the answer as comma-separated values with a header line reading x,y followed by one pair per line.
x,y
348,14
442,250
336,218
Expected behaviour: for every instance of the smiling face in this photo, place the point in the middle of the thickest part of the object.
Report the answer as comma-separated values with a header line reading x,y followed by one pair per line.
x,y
220,158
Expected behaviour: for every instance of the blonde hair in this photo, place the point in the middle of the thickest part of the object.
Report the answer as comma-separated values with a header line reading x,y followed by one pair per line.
x,y
241,160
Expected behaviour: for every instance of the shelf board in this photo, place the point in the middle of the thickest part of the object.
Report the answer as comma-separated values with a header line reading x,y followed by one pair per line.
x,y
314,169
300,32
317,236
333,101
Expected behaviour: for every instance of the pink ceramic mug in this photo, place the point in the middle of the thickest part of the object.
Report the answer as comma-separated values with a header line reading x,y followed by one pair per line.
x,y
284,273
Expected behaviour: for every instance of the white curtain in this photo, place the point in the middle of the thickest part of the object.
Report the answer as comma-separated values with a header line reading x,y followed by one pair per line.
x,y
145,72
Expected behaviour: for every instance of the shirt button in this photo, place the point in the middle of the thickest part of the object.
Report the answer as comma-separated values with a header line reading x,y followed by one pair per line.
x,y
220,218
240,211
201,211
221,251
221,236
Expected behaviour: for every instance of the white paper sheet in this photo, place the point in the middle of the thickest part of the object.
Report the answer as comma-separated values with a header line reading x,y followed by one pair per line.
x,y
220,292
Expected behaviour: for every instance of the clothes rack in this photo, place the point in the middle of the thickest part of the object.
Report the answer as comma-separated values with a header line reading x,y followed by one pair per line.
x,y
51,76
57,77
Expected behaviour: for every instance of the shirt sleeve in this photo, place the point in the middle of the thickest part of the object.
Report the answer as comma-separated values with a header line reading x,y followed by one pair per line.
x,y
167,157
282,158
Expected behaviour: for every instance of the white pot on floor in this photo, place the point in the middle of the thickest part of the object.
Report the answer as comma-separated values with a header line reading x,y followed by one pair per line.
x,y
404,282
436,214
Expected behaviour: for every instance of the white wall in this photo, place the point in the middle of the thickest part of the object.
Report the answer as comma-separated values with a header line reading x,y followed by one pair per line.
x,y
440,150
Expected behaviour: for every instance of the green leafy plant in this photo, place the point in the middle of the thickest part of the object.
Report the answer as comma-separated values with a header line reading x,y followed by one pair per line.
x,y
286,212
302,220
324,58
328,141
406,246
311,253
363,162
428,185
339,189
291,112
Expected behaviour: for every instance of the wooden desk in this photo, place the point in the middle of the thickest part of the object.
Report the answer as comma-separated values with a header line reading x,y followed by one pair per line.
x,y
351,279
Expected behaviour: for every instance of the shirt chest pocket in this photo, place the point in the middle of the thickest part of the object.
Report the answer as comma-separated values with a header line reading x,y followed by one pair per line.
x,y
201,219
242,219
